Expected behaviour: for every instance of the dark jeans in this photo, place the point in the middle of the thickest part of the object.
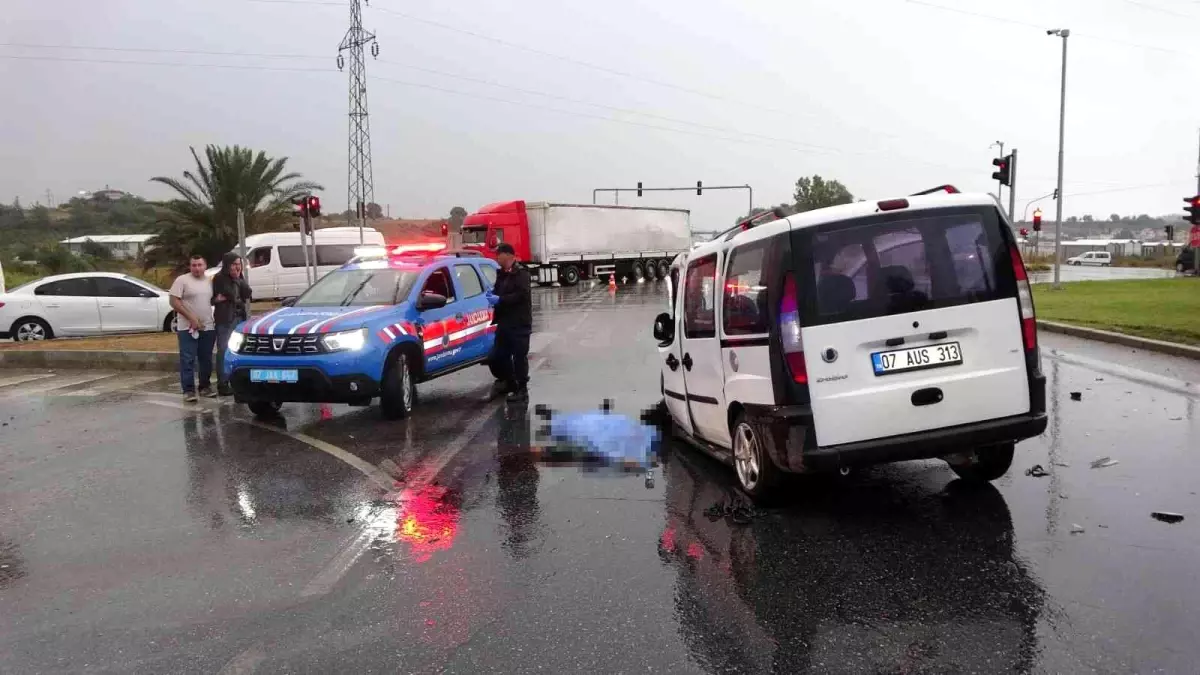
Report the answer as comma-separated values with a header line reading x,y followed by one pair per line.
x,y
510,356
223,331
192,350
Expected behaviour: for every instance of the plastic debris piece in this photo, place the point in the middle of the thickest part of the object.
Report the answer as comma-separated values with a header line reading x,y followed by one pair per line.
x,y
1077,396
1076,528
1062,464
1037,471
1104,462
1167,516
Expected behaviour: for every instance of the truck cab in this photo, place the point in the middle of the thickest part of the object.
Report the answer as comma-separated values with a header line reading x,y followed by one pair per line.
x,y
495,224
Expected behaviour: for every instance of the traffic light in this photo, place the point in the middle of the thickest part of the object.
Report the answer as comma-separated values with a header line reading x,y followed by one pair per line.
x,y
314,206
1024,232
699,187
1192,209
1170,230
1004,170
639,188
1037,220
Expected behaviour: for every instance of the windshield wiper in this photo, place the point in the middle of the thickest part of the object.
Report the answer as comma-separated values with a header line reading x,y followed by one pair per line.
x,y
355,292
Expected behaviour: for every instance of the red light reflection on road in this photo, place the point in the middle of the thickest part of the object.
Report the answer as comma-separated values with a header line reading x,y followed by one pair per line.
x,y
425,521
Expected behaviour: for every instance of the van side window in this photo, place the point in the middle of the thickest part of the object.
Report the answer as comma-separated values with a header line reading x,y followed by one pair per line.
x,y
260,257
291,256
744,308
699,301
334,254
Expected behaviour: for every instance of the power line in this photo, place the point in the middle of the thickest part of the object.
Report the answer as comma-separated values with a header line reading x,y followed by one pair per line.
x,y
177,64
155,50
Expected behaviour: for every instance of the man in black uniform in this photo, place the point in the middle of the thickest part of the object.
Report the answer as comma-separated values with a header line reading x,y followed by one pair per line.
x,y
513,318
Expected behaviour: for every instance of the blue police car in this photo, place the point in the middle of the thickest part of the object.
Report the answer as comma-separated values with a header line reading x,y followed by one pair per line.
x,y
373,328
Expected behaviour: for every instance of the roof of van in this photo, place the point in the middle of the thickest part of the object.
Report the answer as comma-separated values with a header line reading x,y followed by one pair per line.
x,y
349,234
831,214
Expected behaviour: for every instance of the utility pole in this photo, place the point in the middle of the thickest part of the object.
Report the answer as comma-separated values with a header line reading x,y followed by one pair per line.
x,y
1198,170
360,188
1064,33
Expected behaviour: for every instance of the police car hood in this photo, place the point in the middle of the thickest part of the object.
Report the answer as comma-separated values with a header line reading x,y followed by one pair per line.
x,y
305,320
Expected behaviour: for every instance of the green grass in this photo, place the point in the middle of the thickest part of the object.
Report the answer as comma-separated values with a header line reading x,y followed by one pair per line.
x,y
1162,309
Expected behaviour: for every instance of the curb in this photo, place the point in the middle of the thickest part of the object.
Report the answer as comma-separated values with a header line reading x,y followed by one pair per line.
x,y
1160,346
88,360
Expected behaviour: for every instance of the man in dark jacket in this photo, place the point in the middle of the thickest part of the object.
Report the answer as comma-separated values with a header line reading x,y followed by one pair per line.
x,y
513,318
231,297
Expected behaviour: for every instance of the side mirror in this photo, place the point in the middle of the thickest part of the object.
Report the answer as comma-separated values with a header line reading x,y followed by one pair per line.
x,y
429,300
288,302
664,328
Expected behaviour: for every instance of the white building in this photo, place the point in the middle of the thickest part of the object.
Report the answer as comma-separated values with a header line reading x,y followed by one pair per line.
x,y
122,246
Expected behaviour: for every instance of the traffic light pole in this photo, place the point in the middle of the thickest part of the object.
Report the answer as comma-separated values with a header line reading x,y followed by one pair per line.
x,y
1012,186
305,223
1062,124
617,191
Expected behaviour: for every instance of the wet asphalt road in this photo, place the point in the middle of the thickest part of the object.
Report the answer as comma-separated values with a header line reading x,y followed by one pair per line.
x,y
141,535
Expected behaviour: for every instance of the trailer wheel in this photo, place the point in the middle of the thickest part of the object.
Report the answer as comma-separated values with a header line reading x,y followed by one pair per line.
x,y
664,269
569,275
639,271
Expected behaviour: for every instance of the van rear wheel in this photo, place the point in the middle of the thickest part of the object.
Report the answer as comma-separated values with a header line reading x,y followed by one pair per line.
x,y
984,464
756,473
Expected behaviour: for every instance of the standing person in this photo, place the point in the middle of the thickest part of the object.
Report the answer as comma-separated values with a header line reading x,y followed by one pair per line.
x,y
231,297
513,318
191,298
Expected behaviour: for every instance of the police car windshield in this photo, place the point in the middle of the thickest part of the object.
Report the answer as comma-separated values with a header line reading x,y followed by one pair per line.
x,y
359,288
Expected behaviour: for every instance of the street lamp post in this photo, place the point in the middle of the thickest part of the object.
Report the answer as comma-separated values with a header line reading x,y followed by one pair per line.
x,y
1064,33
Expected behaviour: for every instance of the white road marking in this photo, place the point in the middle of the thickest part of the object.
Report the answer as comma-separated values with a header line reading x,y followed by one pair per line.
x,y
189,407
46,387
369,470
1133,374
21,379
116,384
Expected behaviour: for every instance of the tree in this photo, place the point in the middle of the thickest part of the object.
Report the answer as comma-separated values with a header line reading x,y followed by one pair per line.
x,y
374,211
1073,219
817,193
1115,218
457,215
203,219
57,260
39,216
98,251
1087,218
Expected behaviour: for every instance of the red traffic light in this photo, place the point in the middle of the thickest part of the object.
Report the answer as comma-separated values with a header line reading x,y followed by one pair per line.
x,y
1192,209
1037,220
1024,232
314,205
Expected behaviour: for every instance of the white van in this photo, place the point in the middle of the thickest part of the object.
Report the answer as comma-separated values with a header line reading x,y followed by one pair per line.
x,y
275,260
1101,258
858,334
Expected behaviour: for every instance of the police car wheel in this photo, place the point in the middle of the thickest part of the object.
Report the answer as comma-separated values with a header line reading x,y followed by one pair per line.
x,y
265,408
399,393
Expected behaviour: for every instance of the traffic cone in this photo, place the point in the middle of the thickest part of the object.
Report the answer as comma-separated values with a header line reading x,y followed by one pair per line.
x,y
612,282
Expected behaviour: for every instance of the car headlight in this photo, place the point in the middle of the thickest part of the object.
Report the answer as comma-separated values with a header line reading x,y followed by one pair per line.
x,y
346,341
235,341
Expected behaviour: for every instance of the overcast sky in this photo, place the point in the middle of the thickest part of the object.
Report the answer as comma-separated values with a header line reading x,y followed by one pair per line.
x,y
888,96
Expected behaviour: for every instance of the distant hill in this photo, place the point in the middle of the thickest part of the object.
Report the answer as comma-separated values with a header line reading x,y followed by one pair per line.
x,y
21,227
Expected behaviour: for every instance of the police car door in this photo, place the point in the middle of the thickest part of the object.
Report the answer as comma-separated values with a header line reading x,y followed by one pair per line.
x,y
438,324
473,320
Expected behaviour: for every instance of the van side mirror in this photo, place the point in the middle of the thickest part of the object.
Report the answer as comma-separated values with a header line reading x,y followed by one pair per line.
x,y
288,302
664,329
430,300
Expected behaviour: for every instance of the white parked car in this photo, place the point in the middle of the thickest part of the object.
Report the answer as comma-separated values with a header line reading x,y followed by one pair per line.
x,y
90,303
1102,258
852,335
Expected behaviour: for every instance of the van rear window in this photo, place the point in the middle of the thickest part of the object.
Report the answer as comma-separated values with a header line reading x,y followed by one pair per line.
x,y
909,262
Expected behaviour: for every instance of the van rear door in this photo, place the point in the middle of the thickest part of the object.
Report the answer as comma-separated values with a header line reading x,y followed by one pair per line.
x,y
910,322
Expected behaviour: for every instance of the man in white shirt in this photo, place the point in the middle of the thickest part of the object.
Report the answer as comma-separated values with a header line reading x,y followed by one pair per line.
x,y
191,298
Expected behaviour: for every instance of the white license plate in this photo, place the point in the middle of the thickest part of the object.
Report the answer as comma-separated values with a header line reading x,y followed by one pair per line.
x,y
274,375
917,358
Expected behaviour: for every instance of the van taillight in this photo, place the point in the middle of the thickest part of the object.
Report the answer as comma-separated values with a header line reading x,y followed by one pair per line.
x,y
1024,300
789,332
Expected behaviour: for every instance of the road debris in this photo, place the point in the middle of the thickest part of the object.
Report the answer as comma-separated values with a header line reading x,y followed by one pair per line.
x,y
1062,464
738,511
1167,516
1104,462
1036,471
1076,528
1077,396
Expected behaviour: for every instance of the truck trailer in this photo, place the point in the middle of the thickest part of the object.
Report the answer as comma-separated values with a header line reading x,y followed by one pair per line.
x,y
566,243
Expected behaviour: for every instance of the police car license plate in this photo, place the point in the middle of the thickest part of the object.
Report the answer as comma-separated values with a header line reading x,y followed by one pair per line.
x,y
917,358
274,375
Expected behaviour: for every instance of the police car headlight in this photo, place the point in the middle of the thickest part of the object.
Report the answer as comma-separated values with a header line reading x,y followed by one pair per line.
x,y
346,341
235,341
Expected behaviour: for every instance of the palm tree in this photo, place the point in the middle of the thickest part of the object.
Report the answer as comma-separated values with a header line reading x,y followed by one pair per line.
x,y
203,219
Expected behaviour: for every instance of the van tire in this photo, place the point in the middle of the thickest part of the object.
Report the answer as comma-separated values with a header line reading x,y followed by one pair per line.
x,y
265,408
399,390
757,475
987,464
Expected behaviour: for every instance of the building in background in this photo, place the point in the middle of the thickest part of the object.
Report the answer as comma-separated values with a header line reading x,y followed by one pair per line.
x,y
122,246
